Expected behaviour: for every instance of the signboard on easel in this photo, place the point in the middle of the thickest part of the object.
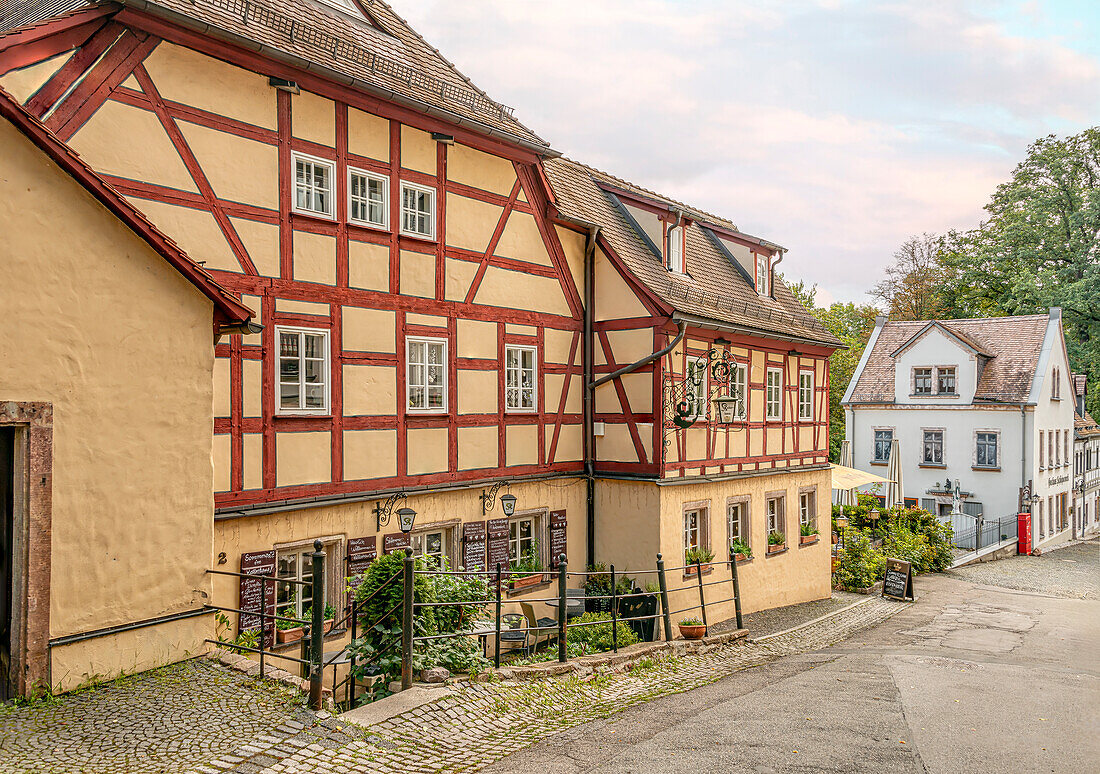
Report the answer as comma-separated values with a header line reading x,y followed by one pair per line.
x,y
898,582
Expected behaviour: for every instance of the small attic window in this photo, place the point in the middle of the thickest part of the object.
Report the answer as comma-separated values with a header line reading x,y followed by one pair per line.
x,y
674,249
763,274
352,8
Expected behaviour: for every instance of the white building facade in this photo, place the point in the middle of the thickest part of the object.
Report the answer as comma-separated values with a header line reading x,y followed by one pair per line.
x,y
1086,462
984,404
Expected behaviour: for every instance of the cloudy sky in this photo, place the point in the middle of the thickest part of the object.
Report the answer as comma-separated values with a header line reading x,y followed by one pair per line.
x,y
836,128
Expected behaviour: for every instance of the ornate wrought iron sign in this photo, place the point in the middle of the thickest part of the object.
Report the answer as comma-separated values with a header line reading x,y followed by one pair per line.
x,y
685,403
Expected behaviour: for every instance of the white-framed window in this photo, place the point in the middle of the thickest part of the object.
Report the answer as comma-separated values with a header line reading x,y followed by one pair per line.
x,y
737,522
426,364
763,274
739,388
433,543
520,392
368,198
695,527
523,538
932,451
922,381
986,452
945,380
313,189
775,507
697,388
417,210
675,249
774,393
806,395
807,509
303,370
884,438
295,563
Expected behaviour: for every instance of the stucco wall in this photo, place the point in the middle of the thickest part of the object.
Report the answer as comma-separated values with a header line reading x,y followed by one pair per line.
x,y
104,329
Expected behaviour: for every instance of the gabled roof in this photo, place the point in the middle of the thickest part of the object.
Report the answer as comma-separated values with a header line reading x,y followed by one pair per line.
x,y
715,288
227,309
378,53
1012,346
960,336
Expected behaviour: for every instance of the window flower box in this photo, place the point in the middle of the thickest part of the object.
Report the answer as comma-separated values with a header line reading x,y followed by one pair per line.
x,y
703,569
775,548
286,636
804,539
526,581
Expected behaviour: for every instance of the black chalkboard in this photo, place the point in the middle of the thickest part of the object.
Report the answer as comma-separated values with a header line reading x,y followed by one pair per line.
x,y
252,593
498,543
898,582
557,537
473,546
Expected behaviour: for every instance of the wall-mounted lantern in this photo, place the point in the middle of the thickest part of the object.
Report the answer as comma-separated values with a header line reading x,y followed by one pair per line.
x,y
507,500
406,517
730,409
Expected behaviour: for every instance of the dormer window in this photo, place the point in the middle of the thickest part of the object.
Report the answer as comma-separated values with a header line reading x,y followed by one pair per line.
x,y
674,249
922,381
763,275
945,381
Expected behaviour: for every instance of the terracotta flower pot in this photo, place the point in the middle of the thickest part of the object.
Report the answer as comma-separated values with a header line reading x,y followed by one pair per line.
x,y
289,635
804,539
703,568
328,625
776,548
526,580
693,631
739,557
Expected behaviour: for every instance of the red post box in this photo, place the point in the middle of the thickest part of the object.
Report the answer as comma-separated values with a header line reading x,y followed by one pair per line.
x,y
1023,533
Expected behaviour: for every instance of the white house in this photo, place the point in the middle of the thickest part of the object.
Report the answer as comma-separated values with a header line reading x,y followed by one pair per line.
x,y
986,404
1086,462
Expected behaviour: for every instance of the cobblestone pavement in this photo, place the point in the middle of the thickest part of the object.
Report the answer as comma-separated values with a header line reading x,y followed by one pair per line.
x,y
766,622
198,718
1069,571
158,721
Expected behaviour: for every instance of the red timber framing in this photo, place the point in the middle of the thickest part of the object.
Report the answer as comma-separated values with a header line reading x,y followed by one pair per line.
x,y
35,42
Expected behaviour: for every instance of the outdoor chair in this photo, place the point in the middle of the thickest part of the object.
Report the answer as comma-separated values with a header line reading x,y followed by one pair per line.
x,y
514,632
539,627
574,603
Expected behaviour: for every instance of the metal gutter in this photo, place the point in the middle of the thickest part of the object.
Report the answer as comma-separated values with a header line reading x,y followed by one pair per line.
x,y
741,474
644,361
707,322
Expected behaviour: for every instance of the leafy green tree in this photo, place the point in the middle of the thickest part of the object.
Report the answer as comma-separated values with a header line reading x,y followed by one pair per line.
x,y
913,288
1040,247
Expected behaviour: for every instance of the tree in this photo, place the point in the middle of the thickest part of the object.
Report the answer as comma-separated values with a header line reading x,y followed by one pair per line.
x,y
913,288
1040,247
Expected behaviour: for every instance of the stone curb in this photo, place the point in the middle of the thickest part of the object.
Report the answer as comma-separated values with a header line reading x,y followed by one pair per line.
x,y
817,620
240,663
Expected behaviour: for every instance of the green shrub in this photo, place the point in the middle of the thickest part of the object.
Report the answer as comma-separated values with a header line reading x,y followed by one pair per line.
x,y
596,636
700,554
776,538
740,547
808,530
900,542
860,565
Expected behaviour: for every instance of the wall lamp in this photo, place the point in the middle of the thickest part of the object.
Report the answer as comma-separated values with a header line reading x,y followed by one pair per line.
x,y
406,517
507,500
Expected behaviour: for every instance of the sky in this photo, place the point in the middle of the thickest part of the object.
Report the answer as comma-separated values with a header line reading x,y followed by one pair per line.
x,y
836,128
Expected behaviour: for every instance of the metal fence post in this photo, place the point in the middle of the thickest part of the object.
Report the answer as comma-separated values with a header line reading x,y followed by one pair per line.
x,y
407,624
263,621
305,644
664,597
562,610
496,639
317,625
350,694
614,613
736,591
702,597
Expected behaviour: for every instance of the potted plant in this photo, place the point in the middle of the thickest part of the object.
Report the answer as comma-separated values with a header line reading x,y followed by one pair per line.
x,y
288,631
527,570
697,557
692,629
808,534
777,541
740,550
597,584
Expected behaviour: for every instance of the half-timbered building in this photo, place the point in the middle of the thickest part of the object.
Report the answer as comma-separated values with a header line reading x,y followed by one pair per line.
x,y
447,307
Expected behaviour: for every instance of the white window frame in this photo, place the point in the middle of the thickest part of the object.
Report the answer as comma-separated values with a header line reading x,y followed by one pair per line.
x,y
332,546
776,415
807,508
739,388
743,520
326,371
516,542
931,381
702,519
674,248
874,444
369,176
943,446
762,267
434,194
778,517
940,374
295,158
521,390
806,396
420,540
697,392
409,365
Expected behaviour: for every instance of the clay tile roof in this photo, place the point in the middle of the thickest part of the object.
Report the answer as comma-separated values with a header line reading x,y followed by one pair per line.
x,y
25,13
228,310
714,288
1011,346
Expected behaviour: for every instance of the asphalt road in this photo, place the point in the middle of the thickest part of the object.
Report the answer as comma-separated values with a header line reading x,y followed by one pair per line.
x,y
971,678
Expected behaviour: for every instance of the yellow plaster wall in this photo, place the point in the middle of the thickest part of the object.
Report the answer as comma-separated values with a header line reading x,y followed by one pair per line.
x,y
616,444
368,135
459,277
370,454
417,274
557,344
480,170
261,242
314,118
252,387
570,443
253,460
314,258
195,231
628,346
370,390
103,328
183,75
477,447
368,266
221,387
100,142
237,168
430,320
639,391
573,247
427,450
501,287
417,150
614,298
477,339
628,525
303,458
522,241
471,223
369,330
222,457
22,84
607,399
521,445
477,392
301,307
554,384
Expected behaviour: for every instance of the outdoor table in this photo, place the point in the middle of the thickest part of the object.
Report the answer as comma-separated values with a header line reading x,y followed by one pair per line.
x,y
573,605
483,630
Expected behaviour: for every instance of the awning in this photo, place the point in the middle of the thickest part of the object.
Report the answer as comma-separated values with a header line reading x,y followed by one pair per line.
x,y
850,478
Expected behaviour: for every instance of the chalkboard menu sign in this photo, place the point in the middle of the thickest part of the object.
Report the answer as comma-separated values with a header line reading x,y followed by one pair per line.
x,y
557,537
898,583
498,543
361,552
251,592
473,546
398,541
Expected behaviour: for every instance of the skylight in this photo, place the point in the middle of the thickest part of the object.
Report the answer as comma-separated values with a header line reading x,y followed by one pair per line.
x,y
347,6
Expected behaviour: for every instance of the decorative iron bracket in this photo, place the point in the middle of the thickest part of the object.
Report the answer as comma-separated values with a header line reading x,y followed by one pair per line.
x,y
384,512
679,410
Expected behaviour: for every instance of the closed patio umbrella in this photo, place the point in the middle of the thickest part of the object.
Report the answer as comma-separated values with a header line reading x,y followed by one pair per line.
x,y
846,496
894,493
